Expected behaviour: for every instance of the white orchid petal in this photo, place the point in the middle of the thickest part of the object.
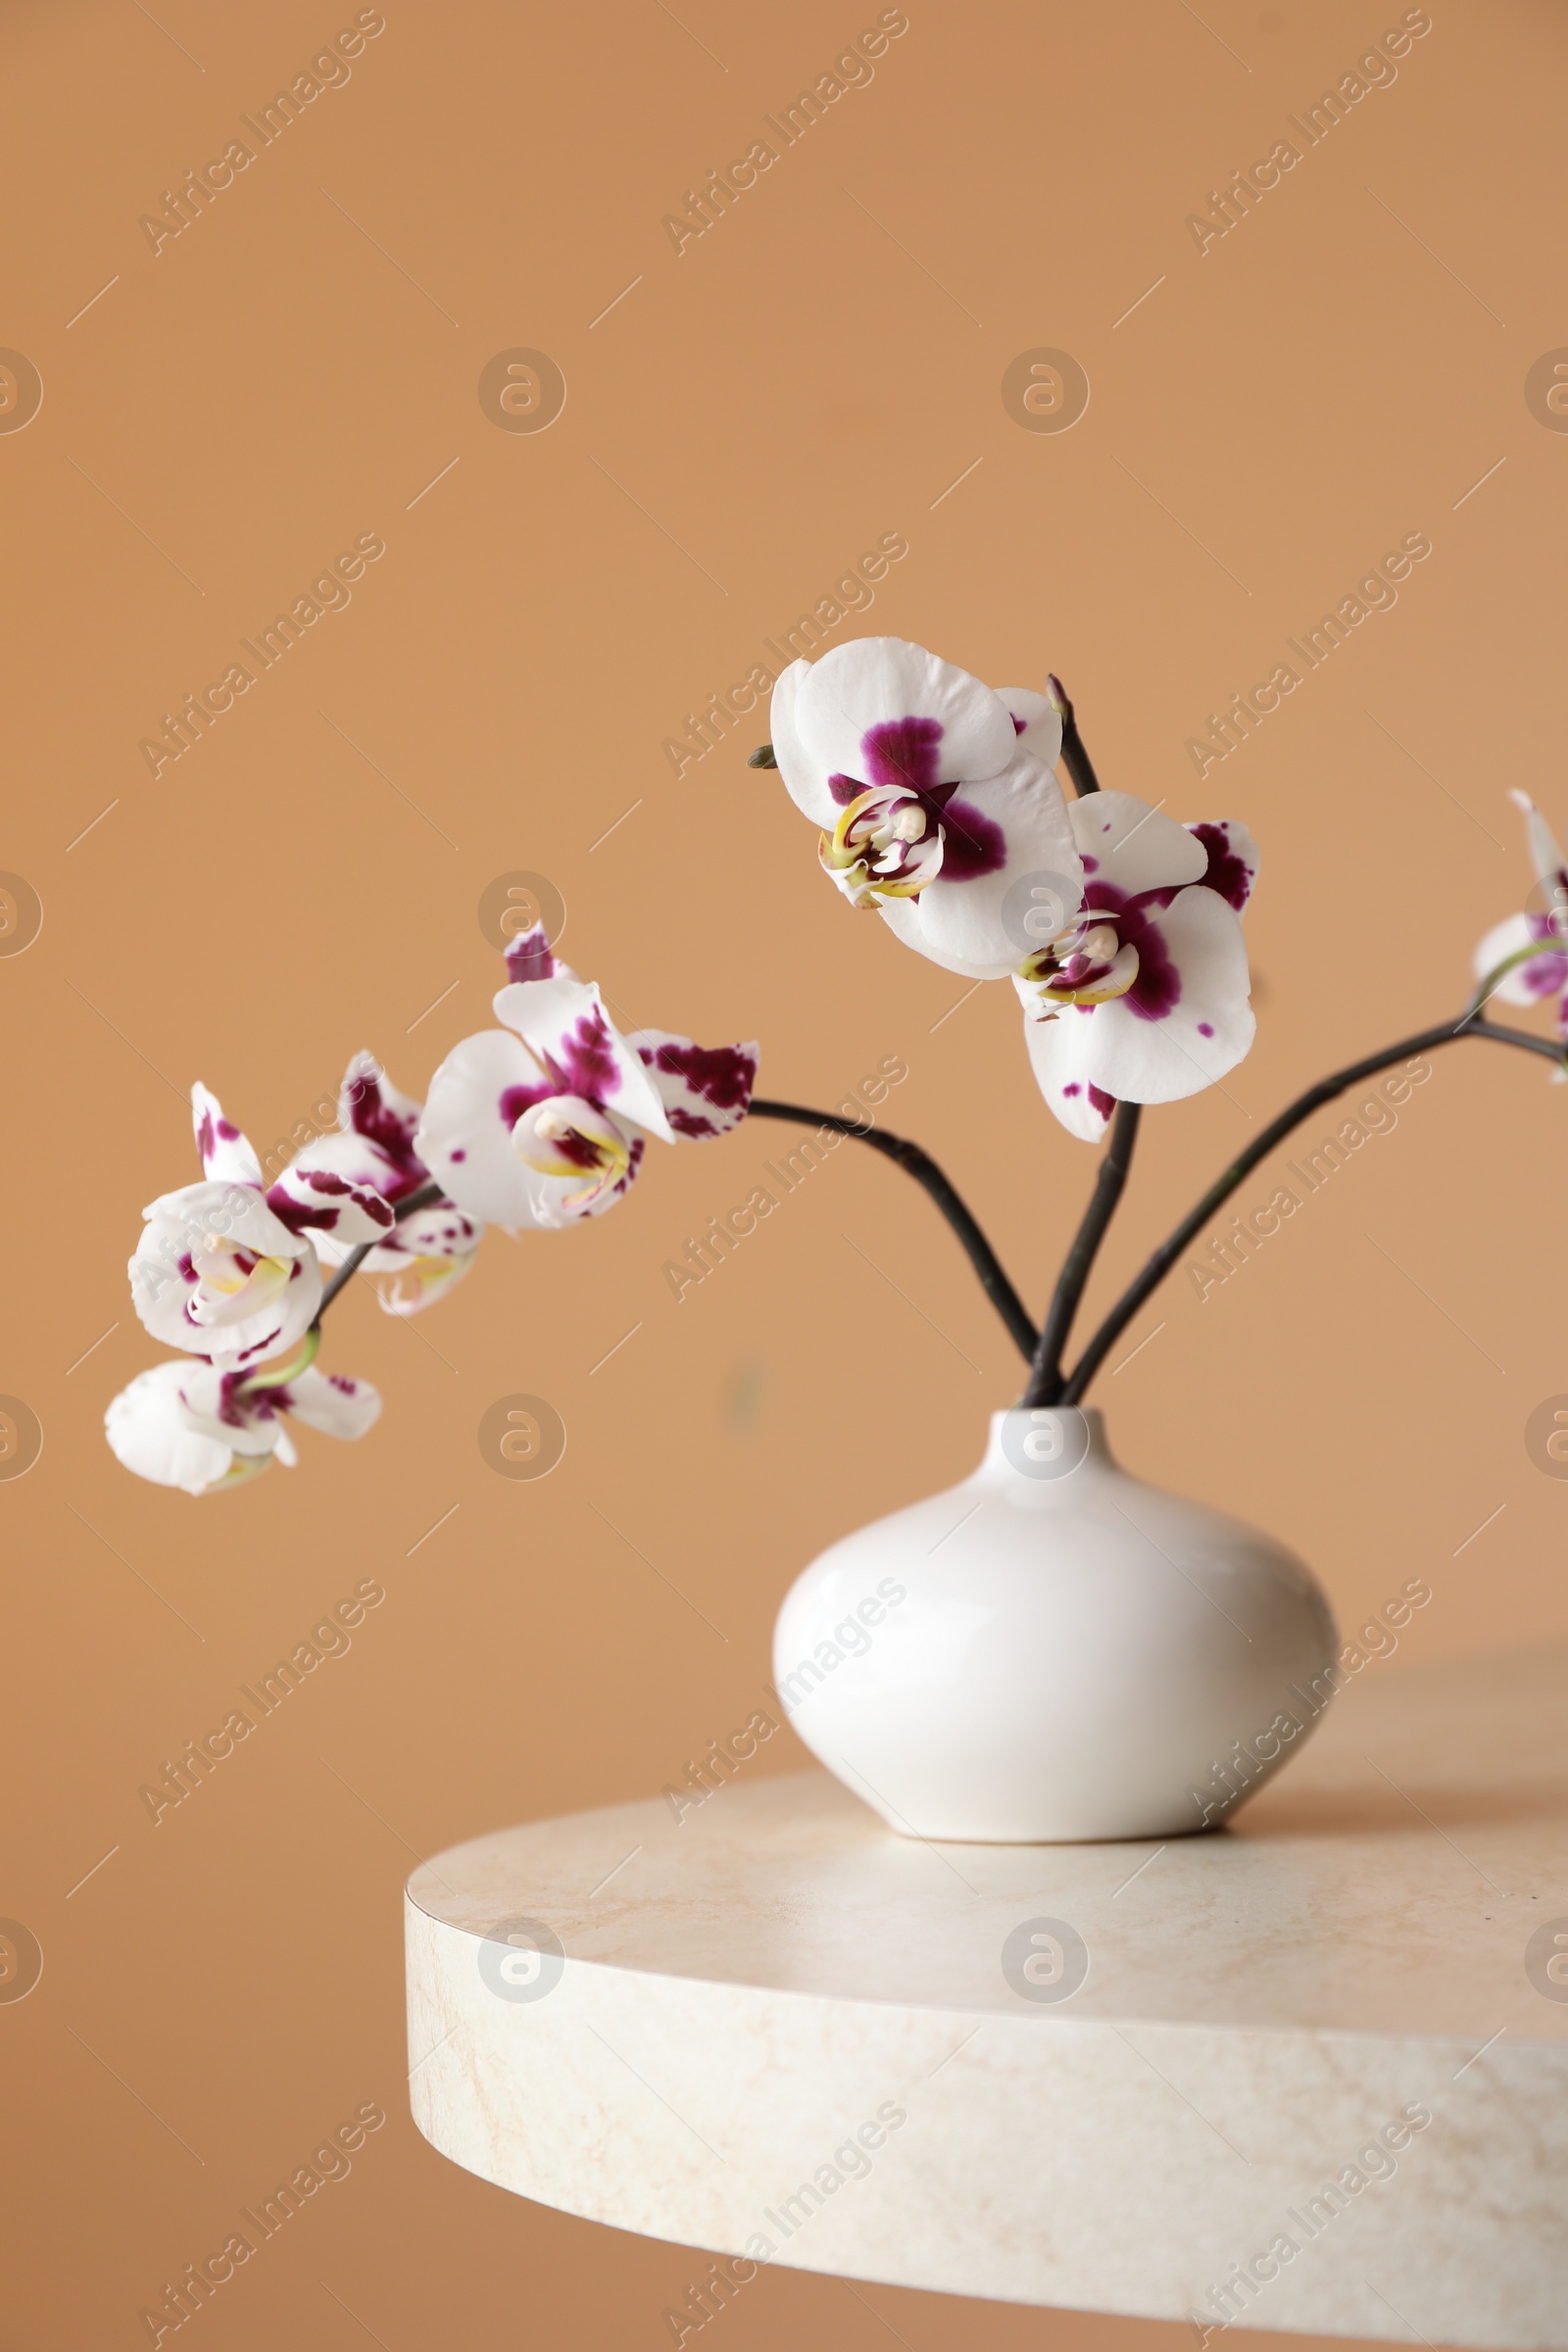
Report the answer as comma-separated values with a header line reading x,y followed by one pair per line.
x,y
805,778
882,711
149,1433
1037,721
331,1403
1131,847
464,1136
1056,1054
226,1155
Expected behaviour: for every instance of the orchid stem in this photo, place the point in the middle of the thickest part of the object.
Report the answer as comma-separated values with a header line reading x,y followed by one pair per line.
x,y
1047,1380
1074,757
426,1198
923,1168
1469,1024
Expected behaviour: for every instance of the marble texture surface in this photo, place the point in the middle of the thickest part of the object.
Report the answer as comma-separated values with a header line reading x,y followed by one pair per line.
x,y
747,1994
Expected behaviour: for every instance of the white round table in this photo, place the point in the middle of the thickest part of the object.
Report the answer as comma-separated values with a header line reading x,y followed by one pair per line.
x,y
1161,2080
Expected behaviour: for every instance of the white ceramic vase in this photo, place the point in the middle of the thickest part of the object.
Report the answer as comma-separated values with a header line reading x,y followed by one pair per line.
x,y
1054,1651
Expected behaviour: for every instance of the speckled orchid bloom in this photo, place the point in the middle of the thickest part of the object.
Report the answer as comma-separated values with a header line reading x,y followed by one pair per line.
x,y
191,1426
227,1270
545,1120
373,1146
935,795
1533,978
1144,996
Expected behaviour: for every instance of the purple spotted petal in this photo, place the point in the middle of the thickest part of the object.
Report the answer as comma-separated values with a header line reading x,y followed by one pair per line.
x,y
1544,975
227,1155
531,956
370,1106
568,1032
313,1197
706,1090
1233,860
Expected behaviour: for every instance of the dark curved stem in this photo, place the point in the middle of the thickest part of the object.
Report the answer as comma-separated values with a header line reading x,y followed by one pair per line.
x,y
1470,1024
923,1168
426,1198
1047,1380
1074,757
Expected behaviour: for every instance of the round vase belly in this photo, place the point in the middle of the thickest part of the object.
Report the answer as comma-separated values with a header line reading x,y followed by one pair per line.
x,y
1054,1651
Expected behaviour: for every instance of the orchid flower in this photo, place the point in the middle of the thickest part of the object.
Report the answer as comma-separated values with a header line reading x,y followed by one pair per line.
x,y
1533,978
191,1426
545,1120
1143,997
227,1270
372,1147
936,796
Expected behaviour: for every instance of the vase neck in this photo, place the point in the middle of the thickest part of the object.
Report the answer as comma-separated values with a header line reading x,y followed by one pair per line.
x,y
1043,1447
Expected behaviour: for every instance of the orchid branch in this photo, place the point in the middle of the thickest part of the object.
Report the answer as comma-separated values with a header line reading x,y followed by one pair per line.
x,y
923,1168
1047,1380
1074,757
426,1198
1469,1024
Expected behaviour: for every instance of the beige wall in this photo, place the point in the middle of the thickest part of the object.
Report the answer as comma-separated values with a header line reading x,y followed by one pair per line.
x,y
290,371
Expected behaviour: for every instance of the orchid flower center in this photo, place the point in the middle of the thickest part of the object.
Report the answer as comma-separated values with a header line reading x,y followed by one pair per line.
x,y
1088,964
232,1282
884,846
569,1135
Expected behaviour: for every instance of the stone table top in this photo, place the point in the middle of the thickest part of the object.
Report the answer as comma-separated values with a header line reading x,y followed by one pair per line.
x,y
1125,2070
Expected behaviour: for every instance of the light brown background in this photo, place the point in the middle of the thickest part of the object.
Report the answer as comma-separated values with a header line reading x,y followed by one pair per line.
x,y
753,415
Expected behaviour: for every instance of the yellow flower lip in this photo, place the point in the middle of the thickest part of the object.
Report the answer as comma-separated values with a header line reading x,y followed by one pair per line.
x,y
569,1136
904,833
1044,972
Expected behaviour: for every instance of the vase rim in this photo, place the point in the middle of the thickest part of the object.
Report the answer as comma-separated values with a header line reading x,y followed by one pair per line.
x,y
1091,1413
